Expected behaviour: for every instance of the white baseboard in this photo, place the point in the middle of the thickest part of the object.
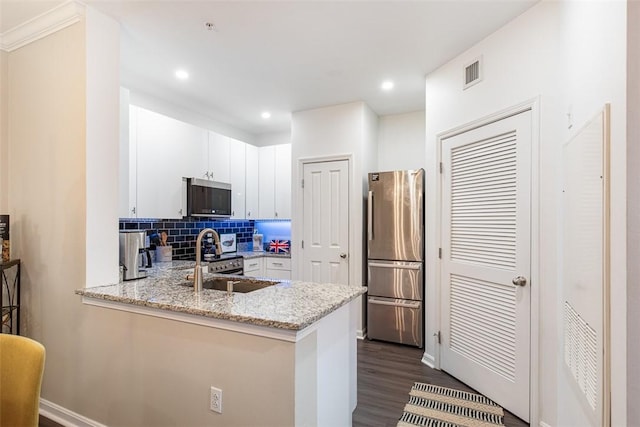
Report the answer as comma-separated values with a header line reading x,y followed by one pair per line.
x,y
361,333
65,416
543,424
429,360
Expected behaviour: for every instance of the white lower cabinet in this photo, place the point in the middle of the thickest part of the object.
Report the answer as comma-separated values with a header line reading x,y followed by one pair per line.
x,y
254,267
268,267
278,268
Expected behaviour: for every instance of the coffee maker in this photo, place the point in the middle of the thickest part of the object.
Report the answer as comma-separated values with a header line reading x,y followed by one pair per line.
x,y
134,255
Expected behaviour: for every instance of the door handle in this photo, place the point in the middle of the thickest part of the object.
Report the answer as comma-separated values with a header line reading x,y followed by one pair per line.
x,y
519,281
414,304
370,214
413,266
343,255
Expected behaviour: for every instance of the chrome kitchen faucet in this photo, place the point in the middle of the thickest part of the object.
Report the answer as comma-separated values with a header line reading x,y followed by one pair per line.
x,y
197,271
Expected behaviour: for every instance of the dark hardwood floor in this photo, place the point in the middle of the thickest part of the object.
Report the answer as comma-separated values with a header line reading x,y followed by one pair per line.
x,y
46,422
386,373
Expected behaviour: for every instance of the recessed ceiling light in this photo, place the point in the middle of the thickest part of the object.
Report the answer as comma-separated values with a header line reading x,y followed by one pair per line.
x,y
388,85
266,115
182,75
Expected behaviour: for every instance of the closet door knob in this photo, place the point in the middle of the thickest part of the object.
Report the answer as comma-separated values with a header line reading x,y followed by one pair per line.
x,y
519,281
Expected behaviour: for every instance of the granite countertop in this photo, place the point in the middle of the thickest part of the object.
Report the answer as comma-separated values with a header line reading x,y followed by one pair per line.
x,y
291,305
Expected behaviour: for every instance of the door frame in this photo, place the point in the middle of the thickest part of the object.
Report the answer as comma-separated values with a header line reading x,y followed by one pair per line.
x,y
298,202
533,106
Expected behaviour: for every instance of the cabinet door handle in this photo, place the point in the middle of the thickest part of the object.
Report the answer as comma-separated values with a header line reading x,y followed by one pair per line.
x,y
133,210
277,263
276,214
370,215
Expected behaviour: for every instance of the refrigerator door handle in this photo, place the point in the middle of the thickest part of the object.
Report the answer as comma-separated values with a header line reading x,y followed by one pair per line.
x,y
412,266
370,215
414,304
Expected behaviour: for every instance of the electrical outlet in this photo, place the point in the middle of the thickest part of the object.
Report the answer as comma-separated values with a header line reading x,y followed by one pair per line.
x,y
216,400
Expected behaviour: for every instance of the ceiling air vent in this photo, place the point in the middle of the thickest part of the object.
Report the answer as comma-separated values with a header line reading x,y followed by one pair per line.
x,y
472,73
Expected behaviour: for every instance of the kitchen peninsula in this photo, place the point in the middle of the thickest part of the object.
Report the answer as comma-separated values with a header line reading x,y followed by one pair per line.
x,y
283,355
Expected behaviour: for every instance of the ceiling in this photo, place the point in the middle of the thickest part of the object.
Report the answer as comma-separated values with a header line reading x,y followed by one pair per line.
x,y
286,56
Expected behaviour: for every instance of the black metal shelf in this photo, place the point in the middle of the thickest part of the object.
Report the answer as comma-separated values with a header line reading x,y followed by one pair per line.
x,y
10,289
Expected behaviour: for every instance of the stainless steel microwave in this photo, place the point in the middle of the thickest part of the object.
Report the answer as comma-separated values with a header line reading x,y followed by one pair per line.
x,y
207,198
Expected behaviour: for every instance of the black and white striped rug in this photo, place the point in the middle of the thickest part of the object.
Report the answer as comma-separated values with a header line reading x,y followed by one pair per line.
x,y
434,406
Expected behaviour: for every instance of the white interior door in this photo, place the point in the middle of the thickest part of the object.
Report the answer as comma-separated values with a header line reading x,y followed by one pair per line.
x,y
486,227
325,253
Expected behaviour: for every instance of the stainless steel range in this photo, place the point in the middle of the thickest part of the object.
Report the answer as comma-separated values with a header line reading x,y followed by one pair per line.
x,y
227,265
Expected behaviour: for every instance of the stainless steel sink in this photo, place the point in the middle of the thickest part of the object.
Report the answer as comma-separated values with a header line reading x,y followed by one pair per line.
x,y
242,286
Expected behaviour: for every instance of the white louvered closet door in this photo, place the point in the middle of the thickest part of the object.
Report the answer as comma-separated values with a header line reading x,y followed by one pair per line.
x,y
486,227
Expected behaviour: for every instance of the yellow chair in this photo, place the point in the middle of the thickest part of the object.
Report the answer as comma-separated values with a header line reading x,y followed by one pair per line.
x,y
21,368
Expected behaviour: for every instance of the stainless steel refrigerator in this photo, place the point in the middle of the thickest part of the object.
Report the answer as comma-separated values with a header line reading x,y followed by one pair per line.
x,y
395,256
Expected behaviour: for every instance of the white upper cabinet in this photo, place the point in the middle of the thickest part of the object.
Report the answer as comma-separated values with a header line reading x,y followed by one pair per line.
x,y
218,159
267,183
167,150
283,181
158,151
236,165
275,182
127,184
252,182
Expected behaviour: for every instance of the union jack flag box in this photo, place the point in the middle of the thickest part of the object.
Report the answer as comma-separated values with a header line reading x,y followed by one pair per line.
x,y
279,246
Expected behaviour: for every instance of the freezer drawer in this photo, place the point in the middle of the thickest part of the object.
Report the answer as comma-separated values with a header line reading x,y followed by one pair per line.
x,y
395,279
395,320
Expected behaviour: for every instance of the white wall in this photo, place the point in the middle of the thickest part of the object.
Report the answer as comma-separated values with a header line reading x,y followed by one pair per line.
x,y
568,55
594,49
47,194
633,211
102,148
348,130
4,166
273,138
162,106
401,141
